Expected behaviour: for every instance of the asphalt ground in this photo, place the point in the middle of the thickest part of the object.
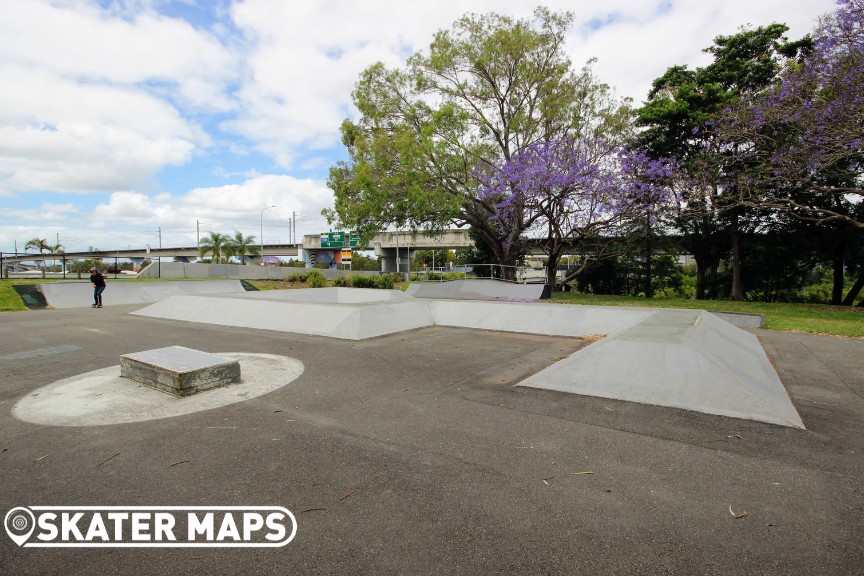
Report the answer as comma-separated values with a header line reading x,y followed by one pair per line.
x,y
415,454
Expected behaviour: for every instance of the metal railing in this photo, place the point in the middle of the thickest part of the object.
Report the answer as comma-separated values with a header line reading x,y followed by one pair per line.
x,y
518,275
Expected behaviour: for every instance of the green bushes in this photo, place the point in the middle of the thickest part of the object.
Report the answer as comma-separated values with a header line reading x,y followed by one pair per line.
x,y
362,281
437,276
315,279
384,281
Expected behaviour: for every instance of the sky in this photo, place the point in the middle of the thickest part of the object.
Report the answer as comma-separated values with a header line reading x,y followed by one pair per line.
x,y
125,123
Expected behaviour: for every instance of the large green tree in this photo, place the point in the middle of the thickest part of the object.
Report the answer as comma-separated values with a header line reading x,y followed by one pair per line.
x,y
682,117
485,90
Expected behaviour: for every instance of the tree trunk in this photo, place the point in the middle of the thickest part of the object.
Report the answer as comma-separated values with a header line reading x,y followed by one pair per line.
x,y
854,291
648,287
701,268
554,257
737,292
839,280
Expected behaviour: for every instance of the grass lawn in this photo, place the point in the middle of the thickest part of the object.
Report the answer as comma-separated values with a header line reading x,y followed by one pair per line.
x,y
814,318
817,319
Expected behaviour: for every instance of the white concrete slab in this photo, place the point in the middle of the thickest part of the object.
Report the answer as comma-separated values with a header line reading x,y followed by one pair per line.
x,y
683,359
536,318
288,311
476,290
103,397
80,294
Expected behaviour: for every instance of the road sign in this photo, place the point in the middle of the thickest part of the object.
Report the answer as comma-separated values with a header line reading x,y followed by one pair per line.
x,y
340,240
332,239
346,255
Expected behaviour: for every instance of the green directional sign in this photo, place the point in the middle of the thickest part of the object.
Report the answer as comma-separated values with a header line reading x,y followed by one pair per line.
x,y
340,240
332,239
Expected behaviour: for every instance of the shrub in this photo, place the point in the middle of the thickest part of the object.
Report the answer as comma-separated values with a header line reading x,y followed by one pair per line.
x,y
297,277
342,282
384,282
361,281
316,279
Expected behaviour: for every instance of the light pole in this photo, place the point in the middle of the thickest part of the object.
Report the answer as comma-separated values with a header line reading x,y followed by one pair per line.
x,y
262,232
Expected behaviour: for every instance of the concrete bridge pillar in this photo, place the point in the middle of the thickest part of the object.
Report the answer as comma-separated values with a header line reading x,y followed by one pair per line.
x,y
388,259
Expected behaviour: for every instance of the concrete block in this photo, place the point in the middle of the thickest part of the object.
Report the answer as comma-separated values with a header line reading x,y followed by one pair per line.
x,y
178,370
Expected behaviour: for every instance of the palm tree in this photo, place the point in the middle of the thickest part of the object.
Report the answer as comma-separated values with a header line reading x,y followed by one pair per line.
x,y
41,246
55,250
216,244
241,245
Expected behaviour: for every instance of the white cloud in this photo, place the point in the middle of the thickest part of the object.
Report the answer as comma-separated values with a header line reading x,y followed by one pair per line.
x,y
306,57
220,209
100,100
92,102
635,50
80,40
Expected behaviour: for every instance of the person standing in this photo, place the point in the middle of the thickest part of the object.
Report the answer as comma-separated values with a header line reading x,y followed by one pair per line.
x,y
98,282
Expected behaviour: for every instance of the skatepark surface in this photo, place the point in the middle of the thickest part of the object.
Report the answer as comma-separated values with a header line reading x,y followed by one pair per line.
x,y
416,452
680,358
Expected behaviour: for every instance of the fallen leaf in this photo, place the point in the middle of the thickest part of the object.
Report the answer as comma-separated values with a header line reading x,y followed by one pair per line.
x,y
40,458
548,478
181,462
311,510
737,516
739,437
347,495
580,473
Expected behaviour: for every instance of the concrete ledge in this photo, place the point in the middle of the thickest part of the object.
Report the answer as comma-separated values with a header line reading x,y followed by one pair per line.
x,y
286,311
477,290
179,371
741,319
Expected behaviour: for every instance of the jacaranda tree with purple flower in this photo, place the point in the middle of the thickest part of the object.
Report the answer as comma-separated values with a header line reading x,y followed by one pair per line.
x,y
806,133
802,138
432,138
578,193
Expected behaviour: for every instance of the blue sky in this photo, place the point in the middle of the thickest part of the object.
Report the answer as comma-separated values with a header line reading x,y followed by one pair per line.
x,y
120,118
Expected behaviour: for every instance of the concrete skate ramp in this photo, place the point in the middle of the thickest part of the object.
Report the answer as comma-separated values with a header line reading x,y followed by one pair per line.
x,y
80,294
346,313
686,359
551,319
477,290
